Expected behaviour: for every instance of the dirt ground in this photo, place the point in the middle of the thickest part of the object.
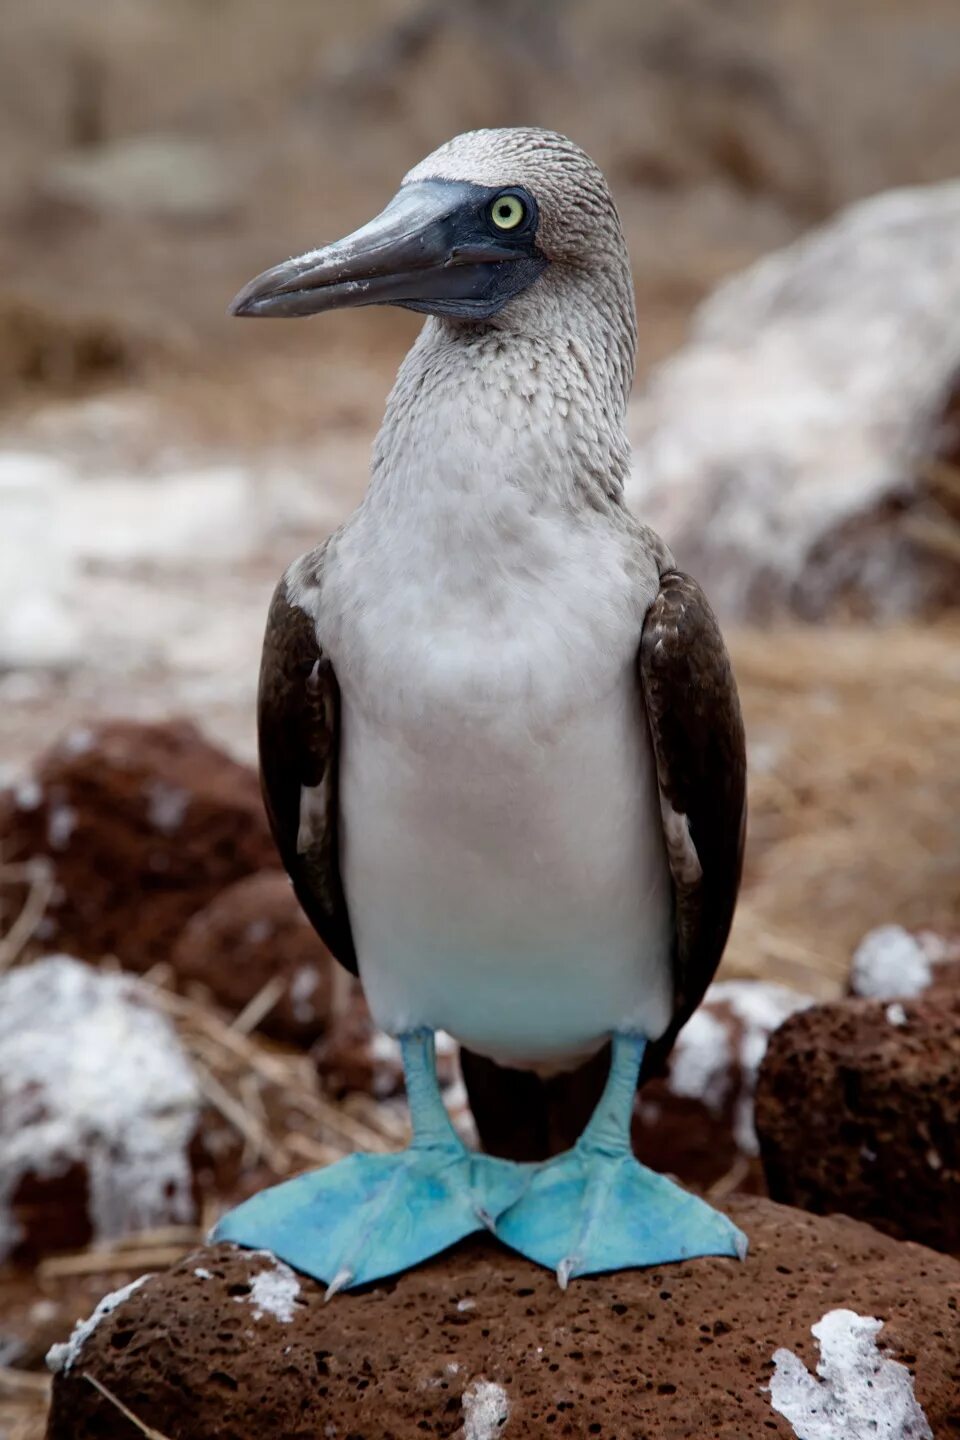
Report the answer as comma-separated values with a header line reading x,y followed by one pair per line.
x,y
726,129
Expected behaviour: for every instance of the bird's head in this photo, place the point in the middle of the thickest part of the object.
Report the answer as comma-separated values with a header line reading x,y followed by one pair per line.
x,y
496,226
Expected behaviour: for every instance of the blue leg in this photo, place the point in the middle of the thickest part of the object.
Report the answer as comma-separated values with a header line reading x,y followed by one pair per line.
x,y
597,1208
369,1216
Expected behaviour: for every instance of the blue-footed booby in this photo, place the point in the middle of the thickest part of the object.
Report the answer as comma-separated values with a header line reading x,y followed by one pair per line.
x,y
500,738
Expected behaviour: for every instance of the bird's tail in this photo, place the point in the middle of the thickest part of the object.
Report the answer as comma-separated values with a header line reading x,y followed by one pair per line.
x,y
522,1117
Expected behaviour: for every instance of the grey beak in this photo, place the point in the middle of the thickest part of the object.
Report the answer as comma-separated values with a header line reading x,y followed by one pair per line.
x,y
430,249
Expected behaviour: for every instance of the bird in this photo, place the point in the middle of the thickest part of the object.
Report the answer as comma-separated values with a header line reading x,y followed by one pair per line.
x,y
501,746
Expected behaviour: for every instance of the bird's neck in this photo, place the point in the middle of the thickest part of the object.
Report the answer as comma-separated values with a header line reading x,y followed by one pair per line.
x,y
480,416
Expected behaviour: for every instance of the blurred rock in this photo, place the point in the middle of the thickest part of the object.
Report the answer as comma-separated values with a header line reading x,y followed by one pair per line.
x,y
250,935
891,963
858,1111
204,515
697,1122
789,452
141,825
480,1343
101,1131
355,1056
164,176
37,569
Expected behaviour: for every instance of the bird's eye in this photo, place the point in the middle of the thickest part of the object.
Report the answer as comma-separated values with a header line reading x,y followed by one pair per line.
x,y
507,212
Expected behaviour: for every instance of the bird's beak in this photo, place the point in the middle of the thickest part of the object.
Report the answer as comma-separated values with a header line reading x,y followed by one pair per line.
x,y
428,250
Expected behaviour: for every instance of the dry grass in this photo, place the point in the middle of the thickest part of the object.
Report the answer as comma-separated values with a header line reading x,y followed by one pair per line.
x,y
854,793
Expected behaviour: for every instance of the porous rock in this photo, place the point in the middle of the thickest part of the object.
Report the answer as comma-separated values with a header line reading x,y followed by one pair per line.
x,y
251,934
229,1343
696,1121
102,1126
140,826
858,1111
799,451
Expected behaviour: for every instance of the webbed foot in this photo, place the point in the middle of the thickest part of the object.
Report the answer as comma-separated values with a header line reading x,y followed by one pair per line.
x,y
591,1210
597,1208
369,1216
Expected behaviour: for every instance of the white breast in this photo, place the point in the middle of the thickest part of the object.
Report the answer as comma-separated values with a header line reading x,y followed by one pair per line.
x,y
501,841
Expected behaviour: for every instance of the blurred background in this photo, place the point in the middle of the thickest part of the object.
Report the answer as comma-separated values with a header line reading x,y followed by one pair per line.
x,y
786,175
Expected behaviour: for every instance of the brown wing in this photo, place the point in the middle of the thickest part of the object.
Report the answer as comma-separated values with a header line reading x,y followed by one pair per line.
x,y
298,723
697,732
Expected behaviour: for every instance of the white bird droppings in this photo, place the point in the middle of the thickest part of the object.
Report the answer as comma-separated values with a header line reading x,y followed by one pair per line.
x,y
486,1410
715,1061
63,1356
889,963
273,1292
860,1392
896,1015
166,806
92,1074
302,989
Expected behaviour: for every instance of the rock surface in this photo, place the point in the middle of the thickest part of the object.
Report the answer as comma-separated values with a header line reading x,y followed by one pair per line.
x,y
141,826
251,934
858,1111
697,1121
789,451
101,1113
480,1343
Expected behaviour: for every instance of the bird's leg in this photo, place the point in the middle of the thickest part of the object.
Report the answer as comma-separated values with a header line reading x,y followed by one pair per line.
x,y
368,1216
597,1208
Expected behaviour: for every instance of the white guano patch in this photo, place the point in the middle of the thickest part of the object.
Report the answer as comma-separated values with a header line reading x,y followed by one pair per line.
x,y
91,1074
273,1292
303,987
716,1061
858,1392
64,1356
890,964
166,806
486,1410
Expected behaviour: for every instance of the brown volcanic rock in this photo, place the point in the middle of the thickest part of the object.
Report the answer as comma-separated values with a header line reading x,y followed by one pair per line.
x,y
858,1110
142,825
249,934
230,1344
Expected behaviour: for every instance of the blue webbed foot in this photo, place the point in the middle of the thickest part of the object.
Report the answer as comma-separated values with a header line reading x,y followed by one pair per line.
x,y
369,1216
597,1208
591,1210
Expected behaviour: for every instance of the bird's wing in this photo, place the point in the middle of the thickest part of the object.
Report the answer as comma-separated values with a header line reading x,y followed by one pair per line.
x,y
697,732
298,723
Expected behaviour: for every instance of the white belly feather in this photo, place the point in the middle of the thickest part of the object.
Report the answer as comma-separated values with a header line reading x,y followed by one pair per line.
x,y
508,888
501,843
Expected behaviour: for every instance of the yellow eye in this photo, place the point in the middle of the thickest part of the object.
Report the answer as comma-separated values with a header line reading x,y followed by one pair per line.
x,y
507,212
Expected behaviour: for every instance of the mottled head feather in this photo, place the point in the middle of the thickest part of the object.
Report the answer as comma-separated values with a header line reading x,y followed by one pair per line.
x,y
577,213
588,288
